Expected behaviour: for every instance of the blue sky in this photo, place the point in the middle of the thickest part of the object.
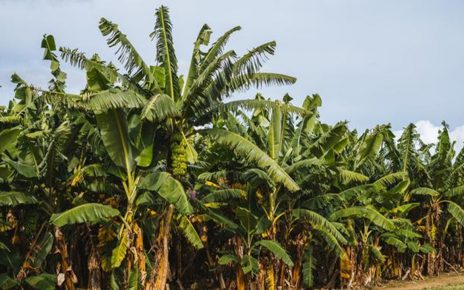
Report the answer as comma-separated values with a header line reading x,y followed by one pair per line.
x,y
391,61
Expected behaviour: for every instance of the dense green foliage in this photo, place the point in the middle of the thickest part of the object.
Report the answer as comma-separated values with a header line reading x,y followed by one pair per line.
x,y
147,178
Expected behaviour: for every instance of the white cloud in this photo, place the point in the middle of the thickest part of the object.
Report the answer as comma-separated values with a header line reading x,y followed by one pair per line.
x,y
429,133
458,135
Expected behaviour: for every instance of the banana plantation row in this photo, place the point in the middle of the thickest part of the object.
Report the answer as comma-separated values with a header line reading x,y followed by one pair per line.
x,y
151,180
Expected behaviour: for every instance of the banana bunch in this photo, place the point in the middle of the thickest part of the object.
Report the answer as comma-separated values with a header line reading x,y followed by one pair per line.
x,y
178,155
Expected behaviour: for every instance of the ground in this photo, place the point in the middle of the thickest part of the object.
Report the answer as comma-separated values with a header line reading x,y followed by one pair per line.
x,y
445,281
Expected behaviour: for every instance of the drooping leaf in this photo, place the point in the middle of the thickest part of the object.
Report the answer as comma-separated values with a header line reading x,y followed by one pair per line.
x,y
251,153
253,60
190,233
260,104
276,249
365,212
217,217
331,241
228,259
89,212
260,79
456,211
390,179
223,195
398,244
348,176
119,253
159,108
111,99
319,221
401,187
14,198
425,191
168,188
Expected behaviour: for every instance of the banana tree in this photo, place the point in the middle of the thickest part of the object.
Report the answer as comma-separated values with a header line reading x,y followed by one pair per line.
x,y
441,197
269,186
163,96
103,116
35,141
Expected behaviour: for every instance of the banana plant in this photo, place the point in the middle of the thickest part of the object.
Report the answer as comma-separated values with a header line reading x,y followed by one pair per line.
x,y
163,96
270,186
229,205
441,199
144,175
34,176
248,250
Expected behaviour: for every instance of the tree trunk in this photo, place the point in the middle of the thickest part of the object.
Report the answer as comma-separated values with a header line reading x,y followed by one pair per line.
x,y
270,276
297,268
139,247
346,267
261,276
240,279
162,256
240,276
66,269
94,270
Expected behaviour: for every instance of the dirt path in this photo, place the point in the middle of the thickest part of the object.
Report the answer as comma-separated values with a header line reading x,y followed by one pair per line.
x,y
443,280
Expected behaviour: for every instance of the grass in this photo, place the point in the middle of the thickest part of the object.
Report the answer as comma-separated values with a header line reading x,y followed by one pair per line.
x,y
448,287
